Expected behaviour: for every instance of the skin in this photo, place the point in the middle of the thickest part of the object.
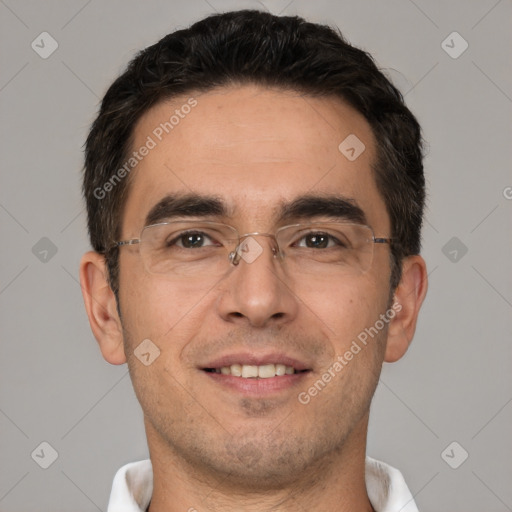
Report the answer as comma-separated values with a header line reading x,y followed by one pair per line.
x,y
213,448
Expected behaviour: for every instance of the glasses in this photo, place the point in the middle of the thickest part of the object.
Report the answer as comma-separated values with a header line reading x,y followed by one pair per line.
x,y
207,250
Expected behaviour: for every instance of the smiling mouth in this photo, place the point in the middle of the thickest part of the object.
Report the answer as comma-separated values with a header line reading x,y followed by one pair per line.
x,y
248,371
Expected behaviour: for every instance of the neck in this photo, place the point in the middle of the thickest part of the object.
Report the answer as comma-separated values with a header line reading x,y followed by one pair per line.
x,y
334,482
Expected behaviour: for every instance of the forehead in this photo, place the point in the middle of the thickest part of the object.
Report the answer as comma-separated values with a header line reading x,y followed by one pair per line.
x,y
254,148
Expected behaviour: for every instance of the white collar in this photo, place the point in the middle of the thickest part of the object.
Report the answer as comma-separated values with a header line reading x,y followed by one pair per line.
x,y
387,490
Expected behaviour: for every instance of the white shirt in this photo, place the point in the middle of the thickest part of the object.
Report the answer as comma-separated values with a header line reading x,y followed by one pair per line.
x,y
387,490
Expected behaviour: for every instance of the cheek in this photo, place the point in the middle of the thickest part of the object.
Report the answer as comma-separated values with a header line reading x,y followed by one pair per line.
x,y
166,312
346,308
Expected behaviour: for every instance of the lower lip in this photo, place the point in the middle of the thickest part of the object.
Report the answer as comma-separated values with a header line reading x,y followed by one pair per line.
x,y
256,386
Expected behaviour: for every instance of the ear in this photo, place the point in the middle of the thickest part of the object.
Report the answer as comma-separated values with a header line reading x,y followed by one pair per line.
x,y
407,301
101,307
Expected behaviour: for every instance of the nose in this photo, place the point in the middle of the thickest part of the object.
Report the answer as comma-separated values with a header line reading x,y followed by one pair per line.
x,y
257,291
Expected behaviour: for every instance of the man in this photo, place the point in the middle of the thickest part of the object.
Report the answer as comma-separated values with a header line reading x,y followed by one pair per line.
x,y
255,191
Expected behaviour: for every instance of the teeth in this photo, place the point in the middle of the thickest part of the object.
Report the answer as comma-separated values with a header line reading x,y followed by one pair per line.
x,y
248,371
234,369
280,369
267,370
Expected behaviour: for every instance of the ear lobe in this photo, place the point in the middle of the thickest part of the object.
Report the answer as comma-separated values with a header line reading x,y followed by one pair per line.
x,y
101,307
409,296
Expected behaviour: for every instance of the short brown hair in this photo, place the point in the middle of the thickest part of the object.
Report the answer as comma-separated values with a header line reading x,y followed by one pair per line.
x,y
256,47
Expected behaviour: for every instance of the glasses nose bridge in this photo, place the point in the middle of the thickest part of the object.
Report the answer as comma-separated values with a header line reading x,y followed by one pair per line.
x,y
236,254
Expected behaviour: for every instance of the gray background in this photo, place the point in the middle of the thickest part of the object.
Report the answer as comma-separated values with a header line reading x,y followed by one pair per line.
x,y
455,382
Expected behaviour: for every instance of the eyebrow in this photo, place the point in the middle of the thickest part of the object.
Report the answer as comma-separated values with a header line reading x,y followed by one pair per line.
x,y
189,205
303,207
333,206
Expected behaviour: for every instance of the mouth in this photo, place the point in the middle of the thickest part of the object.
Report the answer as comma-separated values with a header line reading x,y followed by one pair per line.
x,y
254,375
252,371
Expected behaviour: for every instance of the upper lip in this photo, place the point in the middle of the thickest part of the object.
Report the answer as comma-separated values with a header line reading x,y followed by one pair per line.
x,y
248,358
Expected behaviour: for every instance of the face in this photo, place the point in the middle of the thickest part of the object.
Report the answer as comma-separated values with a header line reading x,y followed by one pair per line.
x,y
257,153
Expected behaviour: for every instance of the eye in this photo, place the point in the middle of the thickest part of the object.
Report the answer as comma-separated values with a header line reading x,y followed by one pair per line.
x,y
321,240
318,240
192,240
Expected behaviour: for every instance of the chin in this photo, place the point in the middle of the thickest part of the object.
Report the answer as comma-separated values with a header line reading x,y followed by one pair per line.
x,y
256,463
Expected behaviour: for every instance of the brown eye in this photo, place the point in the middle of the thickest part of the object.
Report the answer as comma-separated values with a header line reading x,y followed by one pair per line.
x,y
317,241
191,240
